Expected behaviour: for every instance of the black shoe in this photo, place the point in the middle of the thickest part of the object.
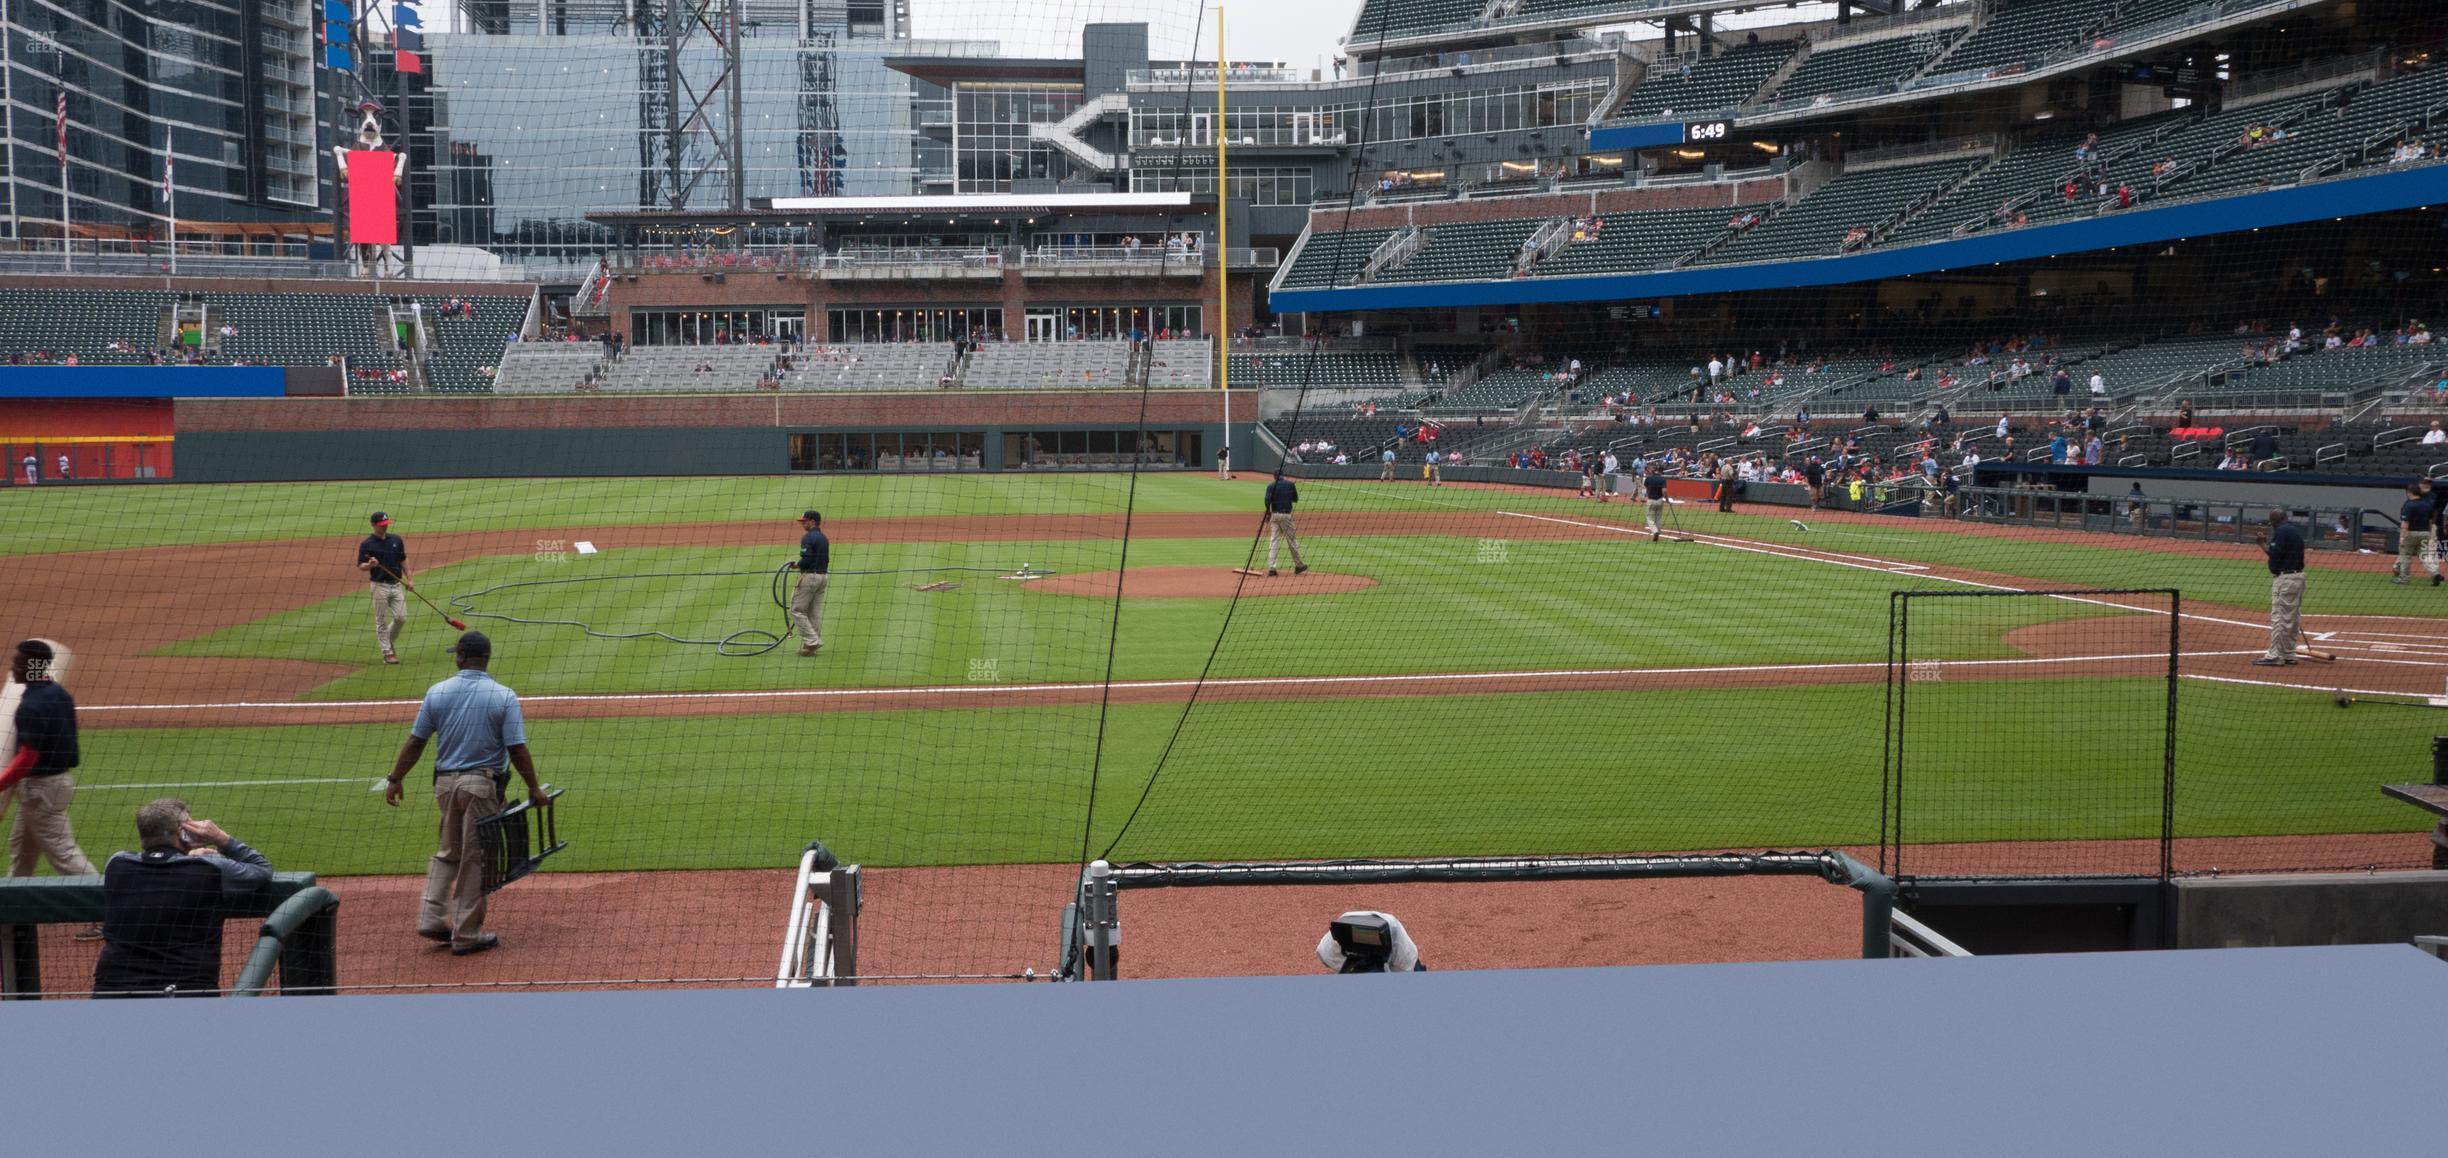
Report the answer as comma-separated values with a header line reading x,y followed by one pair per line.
x,y
1270,572
1298,568
484,941
2435,580
434,934
2273,661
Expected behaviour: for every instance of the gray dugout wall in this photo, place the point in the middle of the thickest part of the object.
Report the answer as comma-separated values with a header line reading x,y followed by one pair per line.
x,y
321,455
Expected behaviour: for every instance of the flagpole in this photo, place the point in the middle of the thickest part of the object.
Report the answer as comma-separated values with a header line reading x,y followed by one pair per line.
x,y
67,235
170,190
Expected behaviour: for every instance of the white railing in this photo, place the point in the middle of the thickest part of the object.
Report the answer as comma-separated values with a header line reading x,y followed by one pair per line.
x,y
1394,250
1141,257
820,944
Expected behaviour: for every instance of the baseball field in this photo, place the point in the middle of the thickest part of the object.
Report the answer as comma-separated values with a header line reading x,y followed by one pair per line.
x,y
1464,670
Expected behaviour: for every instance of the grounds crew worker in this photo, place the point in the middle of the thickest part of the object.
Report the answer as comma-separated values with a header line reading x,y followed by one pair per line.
x,y
481,730
39,777
807,600
1654,485
1280,495
384,559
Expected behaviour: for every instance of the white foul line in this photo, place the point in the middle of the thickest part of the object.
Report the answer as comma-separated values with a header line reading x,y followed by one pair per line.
x,y
88,787
1159,685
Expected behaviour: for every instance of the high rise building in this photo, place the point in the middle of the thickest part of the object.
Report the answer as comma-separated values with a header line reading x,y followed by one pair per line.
x,y
533,114
220,93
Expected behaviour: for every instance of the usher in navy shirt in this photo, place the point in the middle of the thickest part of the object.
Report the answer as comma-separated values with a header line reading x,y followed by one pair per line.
x,y
2285,549
815,553
46,722
1280,495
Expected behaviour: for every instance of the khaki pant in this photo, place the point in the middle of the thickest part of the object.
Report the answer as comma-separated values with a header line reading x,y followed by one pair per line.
x,y
1279,531
1657,511
390,610
2412,546
1387,474
2286,614
41,830
807,610
454,902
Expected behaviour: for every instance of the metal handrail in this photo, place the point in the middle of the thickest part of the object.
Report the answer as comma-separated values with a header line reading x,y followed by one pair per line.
x,y
302,906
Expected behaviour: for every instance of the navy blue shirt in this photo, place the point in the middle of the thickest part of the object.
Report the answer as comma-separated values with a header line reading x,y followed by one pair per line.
x,y
2415,514
161,917
1655,484
1280,495
2285,549
46,722
390,555
815,553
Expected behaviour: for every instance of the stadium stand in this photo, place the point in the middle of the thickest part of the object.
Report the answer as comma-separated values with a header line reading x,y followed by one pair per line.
x,y
465,344
1855,66
1709,84
2025,31
688,369
1331,369
1495,391
1048,365
1334,257
49,325
1864,200
1181,363
1631,242
546,367
1406,17
1464,251
868,366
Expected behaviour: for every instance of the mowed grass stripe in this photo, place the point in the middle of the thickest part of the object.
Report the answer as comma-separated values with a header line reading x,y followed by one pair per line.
x,y
1310,777
1547,604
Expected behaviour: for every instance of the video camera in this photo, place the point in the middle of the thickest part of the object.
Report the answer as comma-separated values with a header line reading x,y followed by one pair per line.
x,y
1365,941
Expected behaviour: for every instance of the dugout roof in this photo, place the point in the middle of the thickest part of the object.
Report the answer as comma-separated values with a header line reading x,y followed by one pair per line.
x,y
2231,1051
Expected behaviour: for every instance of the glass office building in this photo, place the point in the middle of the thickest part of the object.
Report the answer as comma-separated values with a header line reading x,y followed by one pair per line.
x,y
227,87
533,123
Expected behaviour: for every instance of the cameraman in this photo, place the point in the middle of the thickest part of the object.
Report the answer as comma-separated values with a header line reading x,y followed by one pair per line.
x,y
1367,941
162,908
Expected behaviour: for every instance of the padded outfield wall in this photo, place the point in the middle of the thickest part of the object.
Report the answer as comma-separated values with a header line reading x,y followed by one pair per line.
x,y
274,440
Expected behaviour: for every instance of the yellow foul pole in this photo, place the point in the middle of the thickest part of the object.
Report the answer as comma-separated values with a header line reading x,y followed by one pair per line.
x,y
1223,326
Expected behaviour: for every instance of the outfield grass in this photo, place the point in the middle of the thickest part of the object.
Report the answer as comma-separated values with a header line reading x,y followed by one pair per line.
x,y
1298,775
1436,607
1428,776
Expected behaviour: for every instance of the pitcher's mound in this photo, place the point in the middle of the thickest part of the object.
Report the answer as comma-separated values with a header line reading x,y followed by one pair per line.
x,y
1201,583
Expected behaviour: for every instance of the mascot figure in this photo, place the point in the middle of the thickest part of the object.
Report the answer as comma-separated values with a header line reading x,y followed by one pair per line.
x,y
369,181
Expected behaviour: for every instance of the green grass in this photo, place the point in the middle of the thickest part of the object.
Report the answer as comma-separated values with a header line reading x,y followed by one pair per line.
x,y
1412,776
1541,607
1300,774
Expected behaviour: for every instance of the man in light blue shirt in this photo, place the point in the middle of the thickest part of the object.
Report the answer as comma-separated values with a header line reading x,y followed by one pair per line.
x,y
480,728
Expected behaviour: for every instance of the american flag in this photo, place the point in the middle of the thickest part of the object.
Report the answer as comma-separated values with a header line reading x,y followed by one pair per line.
x,y
59,114
168,162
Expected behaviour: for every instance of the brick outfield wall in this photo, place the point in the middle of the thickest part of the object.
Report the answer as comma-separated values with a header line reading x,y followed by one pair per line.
x,y
1715,195
1120,408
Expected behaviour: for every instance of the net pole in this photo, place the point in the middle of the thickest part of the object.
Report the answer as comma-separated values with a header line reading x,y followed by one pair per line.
x,y
2167,788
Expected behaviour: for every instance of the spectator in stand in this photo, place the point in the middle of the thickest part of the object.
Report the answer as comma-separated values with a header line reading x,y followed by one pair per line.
x,y
2264,446
2092,451
163,908
2184,414
2434,436
2099,385
2057,447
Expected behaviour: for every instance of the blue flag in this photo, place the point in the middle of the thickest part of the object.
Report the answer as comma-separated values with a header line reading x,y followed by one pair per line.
x,y
407,39
337,57
402,16
336,10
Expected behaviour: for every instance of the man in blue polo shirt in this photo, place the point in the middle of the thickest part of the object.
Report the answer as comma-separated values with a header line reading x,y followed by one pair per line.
x,y
481,730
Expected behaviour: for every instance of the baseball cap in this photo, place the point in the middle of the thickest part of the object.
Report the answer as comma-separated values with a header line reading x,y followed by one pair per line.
x,y
811,515
380,519
473,643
